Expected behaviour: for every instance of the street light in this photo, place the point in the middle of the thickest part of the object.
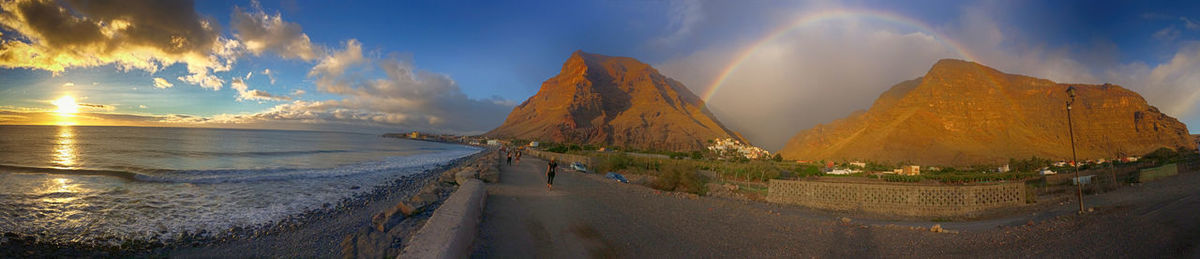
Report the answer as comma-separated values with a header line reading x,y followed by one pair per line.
x,y
1074,158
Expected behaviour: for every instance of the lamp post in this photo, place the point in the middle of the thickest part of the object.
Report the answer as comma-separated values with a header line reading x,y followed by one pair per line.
x,y
1074,158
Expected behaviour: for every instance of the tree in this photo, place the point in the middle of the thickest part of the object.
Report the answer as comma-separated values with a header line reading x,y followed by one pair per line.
x,y
777,158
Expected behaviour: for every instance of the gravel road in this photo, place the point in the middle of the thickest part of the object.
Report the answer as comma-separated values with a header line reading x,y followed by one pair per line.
x,y
587,216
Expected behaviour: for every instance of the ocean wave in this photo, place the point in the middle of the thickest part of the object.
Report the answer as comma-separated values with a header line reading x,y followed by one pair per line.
x,y
198,154
214,176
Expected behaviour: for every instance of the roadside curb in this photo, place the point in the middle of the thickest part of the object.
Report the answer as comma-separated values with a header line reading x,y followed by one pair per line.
x,y
451,230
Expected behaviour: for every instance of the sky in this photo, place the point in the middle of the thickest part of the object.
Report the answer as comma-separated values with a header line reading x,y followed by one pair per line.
x,y
767,69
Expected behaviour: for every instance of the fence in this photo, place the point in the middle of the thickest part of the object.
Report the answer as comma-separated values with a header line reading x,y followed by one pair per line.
x,y
899,199
1110,178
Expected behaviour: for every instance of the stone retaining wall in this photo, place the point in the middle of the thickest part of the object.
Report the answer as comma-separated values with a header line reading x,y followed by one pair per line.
x,y
451,230
564,160
898,199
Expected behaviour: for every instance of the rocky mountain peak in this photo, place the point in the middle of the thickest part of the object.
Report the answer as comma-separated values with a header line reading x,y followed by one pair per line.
x,y
616,101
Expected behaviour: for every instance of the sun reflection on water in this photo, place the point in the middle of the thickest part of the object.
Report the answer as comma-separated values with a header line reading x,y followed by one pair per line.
x,y
64,147
61,190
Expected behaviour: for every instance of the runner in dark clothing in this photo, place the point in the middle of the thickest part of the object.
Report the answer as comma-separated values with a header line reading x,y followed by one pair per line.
x,y
550,173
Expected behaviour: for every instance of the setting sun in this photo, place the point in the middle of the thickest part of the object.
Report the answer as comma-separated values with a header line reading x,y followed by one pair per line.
x,y
66,105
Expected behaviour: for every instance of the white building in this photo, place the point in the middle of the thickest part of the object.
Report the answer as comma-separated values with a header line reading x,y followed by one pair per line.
x,y
842,171
1046,171
724,146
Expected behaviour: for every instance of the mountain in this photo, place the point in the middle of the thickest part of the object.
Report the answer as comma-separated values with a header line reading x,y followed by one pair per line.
x,y
963,113
615,101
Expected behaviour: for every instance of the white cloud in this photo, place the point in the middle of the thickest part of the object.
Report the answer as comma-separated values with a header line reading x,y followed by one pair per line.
x,y
334,65
246,94
269,75
1167,34
143,106
261,32
141,35
405,96
68,84
683,15
1173,86
162,83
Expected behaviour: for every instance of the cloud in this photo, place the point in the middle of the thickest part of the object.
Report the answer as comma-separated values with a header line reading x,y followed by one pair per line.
x,y
261,32
143,106
269,75
246,94
162,83
1167,34
404,96
1189,23
334,65
133,35
68,84
1171,86
683,15
97,107
826,70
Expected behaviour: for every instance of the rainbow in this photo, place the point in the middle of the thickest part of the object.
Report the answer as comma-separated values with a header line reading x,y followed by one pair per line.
x,y
806,20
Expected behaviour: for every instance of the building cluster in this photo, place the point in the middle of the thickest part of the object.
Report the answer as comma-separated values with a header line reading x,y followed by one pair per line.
x,y
449,138
860,167
728,147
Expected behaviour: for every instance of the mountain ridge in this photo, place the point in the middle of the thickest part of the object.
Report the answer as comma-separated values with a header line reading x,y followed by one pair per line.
x,y
961,112
616,101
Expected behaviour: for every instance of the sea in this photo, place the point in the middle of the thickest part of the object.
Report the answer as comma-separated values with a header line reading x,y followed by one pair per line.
x,y
81,183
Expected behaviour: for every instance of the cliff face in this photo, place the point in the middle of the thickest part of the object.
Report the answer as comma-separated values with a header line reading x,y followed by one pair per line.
x,y
617,101
964,113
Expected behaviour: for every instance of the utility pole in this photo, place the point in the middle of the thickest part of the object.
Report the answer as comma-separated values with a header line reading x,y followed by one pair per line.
x,y
1074,157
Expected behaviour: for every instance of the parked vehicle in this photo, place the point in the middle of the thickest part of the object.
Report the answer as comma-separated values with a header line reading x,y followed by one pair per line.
x,y
616,177
577,166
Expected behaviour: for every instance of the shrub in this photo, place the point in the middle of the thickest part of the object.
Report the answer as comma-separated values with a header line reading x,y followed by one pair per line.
x,y
902,178
679,177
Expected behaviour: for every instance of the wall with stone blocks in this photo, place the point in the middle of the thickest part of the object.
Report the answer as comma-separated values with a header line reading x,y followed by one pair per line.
x,y
564,160
898,199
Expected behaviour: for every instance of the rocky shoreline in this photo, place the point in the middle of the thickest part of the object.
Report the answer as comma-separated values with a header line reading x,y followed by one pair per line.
x,y
349,214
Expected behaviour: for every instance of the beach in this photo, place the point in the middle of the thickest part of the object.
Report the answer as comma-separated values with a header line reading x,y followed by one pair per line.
x,y
281,193
317,233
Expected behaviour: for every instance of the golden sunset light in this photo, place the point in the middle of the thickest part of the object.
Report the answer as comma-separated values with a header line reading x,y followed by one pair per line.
x,y
66,105
599,128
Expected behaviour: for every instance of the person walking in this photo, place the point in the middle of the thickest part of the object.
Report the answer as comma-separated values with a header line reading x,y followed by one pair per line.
x,y
510,155
518,157
550,173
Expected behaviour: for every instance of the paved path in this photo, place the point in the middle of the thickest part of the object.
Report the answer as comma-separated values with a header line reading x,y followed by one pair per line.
x,y
586,216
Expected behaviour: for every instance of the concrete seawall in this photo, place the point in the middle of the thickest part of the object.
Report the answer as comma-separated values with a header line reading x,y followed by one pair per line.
x,y
451,230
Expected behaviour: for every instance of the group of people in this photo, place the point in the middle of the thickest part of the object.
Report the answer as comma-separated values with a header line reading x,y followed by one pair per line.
x,y
512,154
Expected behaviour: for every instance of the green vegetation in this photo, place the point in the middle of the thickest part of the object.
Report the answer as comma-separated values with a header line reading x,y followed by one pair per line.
x,y
980,177
670,175
1164,155
902,178
679,177
1032,164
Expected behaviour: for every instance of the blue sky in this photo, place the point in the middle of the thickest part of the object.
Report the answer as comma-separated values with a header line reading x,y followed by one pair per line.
x,y
460,66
